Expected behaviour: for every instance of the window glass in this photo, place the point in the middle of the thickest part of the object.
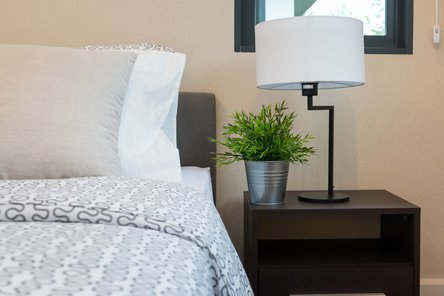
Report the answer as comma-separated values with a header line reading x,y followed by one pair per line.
x,y
275,9
371,12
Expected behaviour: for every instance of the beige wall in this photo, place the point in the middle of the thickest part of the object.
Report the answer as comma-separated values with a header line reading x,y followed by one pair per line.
x,y
389,133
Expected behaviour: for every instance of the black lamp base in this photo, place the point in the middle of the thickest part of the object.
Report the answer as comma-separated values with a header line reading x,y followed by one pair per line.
x,y
323,197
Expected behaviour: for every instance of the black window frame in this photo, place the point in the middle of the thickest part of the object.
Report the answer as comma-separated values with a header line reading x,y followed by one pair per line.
x,y
398,40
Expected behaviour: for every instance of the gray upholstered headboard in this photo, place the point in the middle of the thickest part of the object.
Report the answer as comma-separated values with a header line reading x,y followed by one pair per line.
x,y
196,121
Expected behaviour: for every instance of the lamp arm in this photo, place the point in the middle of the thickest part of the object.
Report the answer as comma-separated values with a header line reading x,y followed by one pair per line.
x,y
331,129
309,90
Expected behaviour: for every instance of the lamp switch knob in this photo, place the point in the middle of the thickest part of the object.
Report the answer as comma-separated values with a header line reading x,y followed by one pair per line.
x,y
436,34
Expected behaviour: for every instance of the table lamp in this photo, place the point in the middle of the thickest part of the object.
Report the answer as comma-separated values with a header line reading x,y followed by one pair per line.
x,y
311,53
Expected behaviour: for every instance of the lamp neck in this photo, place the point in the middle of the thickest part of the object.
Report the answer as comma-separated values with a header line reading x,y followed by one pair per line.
x,y
309,89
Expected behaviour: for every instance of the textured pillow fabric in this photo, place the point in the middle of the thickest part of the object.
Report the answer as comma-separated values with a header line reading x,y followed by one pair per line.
x,y
134,46
147,136
60,111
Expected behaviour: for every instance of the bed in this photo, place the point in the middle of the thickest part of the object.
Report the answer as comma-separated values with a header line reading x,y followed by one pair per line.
x,y
80,218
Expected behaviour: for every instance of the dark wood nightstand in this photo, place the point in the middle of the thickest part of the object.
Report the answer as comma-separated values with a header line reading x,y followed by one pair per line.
x,y
386,261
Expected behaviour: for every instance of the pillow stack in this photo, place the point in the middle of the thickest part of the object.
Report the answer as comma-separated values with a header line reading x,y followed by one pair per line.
x,y
69,112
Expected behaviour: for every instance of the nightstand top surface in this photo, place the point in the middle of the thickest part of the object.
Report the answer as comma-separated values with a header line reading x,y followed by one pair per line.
x,y
360,200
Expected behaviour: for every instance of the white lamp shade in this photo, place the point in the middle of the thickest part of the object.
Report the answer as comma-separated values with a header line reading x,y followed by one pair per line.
x,y
328,50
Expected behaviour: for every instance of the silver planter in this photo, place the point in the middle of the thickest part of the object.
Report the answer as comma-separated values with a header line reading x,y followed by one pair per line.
x,y
267,181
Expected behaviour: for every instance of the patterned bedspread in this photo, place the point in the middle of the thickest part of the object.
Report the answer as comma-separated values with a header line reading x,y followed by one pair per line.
x,y
124,237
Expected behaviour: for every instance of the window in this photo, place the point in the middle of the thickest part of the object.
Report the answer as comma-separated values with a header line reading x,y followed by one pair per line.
x,y
388,24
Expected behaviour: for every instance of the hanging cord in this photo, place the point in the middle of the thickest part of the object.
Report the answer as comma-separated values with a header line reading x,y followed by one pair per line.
x,y
436,30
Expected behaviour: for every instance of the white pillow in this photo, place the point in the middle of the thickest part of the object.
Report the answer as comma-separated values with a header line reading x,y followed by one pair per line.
x,y
147,135
60,111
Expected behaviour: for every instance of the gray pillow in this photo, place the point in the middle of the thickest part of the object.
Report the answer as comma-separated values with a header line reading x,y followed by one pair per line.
x,y
60,111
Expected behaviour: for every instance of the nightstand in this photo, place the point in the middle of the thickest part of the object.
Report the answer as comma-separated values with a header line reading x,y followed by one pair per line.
x,y
378,256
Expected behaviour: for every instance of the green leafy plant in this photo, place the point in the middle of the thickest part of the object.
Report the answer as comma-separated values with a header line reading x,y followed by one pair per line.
x,y
266,136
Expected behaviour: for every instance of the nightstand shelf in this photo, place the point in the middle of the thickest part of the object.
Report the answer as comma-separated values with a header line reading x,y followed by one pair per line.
x,y
327,252
383,262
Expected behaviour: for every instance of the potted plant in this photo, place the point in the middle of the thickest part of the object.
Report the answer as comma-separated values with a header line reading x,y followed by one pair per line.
x,y
267,145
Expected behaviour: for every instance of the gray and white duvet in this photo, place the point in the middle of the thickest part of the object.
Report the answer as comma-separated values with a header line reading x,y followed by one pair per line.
x,y
113,236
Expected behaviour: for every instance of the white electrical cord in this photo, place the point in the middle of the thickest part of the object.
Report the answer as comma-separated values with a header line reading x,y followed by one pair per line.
x,y
436,30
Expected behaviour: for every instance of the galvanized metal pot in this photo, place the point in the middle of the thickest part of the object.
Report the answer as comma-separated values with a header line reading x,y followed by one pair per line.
x,y
267,181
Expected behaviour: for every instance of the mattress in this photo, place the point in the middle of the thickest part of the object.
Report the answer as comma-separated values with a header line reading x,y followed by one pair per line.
x,y
199,179
113,236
